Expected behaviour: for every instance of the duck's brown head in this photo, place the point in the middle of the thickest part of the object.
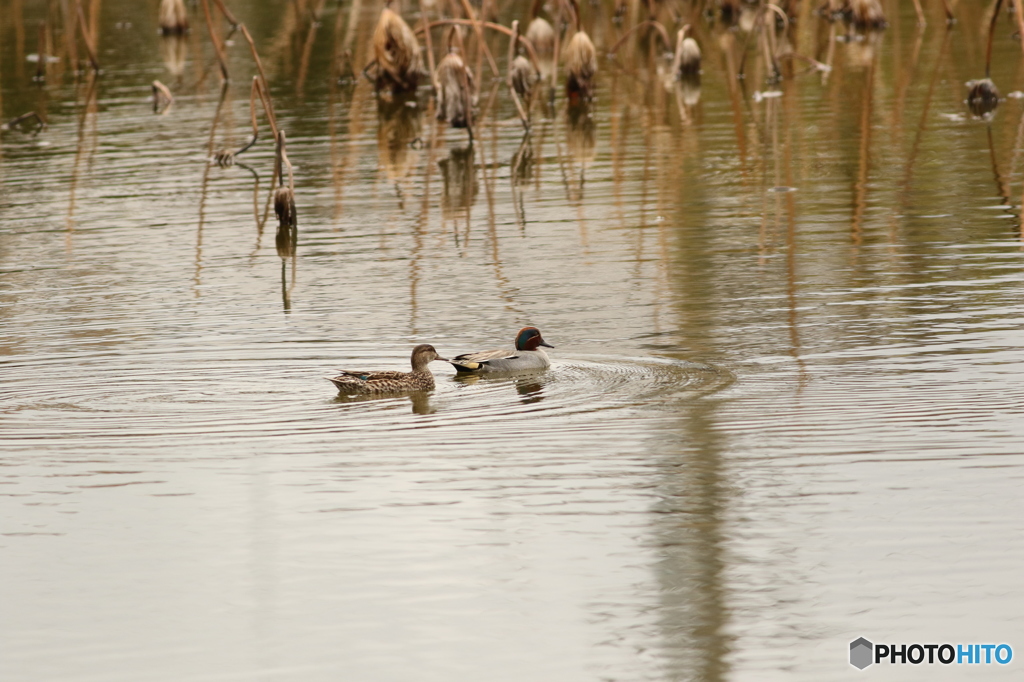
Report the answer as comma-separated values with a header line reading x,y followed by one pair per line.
x,y
423,355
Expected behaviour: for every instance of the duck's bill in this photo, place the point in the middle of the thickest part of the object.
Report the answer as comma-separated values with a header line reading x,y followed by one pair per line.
x,y
442,359
546,344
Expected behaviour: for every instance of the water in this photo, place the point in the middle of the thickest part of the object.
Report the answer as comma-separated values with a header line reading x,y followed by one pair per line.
x,y
784,410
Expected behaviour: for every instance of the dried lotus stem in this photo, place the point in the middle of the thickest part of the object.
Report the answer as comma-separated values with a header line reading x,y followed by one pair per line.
x,y
162,98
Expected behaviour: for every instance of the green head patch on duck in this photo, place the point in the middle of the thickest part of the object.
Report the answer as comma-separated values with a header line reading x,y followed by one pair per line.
x,y
529,338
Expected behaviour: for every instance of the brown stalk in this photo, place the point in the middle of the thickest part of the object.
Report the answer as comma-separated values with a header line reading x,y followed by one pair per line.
x,y
86,36
556,55
949,12
991,33
41,52
70,44
227,13
14,122
478,29
281,162
162,98
430,45
227,158
650,22
217,47
523,115
1018,13
920,13
760,27
264,87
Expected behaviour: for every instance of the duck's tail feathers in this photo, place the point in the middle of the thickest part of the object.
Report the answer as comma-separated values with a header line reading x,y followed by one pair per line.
x,y
465,366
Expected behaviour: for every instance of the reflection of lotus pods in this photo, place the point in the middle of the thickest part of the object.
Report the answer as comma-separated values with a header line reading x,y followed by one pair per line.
x,y
456,93
174,51
173,17
458,172
397,53
580,65
689,89
399,124
286,240
581,134
983,97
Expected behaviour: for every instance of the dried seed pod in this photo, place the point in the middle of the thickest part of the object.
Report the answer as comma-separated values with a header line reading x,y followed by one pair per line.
x,y
983,97
284,196
173,17
456,92
397,52
284,207
542,35
866,13
580,66
523,77
687,58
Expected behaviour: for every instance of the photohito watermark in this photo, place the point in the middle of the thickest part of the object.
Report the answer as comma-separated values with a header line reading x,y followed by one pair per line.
x,y
863,653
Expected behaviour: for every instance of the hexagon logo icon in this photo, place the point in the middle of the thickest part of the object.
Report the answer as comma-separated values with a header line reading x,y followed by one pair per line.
x,y
861,653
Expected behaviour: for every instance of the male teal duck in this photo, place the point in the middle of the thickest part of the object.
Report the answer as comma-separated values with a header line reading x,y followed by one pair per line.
x,y
419,379
526,356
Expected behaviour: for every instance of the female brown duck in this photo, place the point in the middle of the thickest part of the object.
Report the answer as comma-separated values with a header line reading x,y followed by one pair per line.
x,y
419,379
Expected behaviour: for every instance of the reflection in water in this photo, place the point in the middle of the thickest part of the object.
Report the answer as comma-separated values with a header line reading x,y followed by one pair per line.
x,y
687,93
530,388
419,401
458,173
286,240
688,528
581,136
205,185
174,51
398,131
862,48
522,172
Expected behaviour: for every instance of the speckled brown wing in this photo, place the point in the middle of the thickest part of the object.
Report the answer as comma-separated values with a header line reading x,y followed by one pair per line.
x,y
363,383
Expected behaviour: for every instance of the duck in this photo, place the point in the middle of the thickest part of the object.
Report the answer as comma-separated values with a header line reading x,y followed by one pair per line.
x,y
526,356
370,383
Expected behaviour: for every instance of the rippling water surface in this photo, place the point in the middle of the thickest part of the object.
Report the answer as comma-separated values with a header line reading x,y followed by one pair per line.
x,y
784,411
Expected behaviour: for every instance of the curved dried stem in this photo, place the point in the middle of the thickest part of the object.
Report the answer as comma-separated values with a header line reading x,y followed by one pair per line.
x,y
650,22
778,10
217,46
227,13
14,122
531,52
991,33
268,105
430,46
523,114
86,36
478,29
162,98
